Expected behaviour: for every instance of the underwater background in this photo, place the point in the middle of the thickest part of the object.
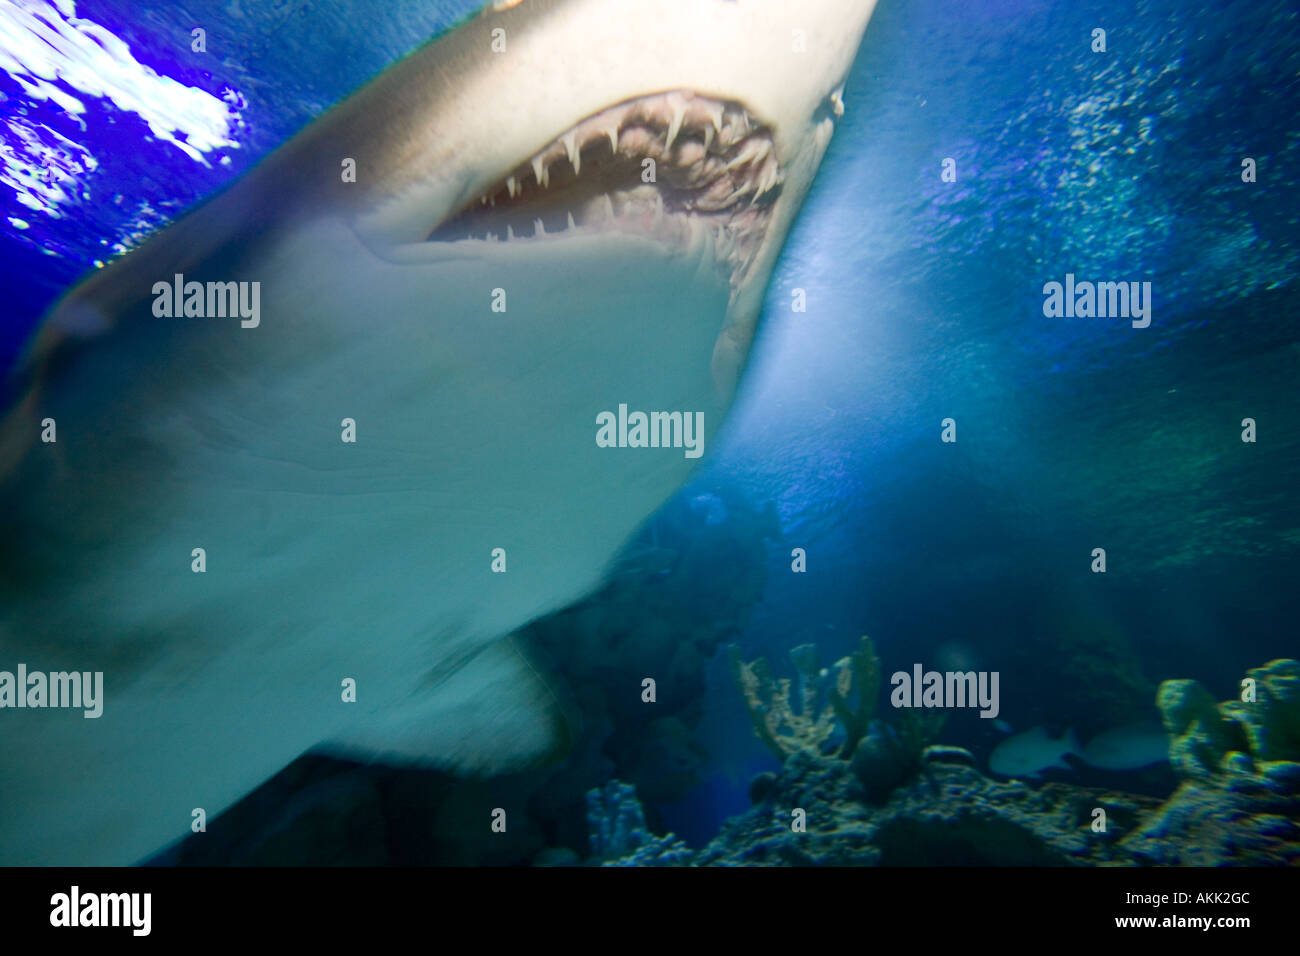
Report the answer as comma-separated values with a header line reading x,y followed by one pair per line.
x,y
924,302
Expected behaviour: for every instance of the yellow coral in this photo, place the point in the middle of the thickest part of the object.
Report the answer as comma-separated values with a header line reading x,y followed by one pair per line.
x,y
785,729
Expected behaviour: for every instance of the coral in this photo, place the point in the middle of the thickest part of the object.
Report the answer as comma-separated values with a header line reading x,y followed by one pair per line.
x,y
864,668
1207,825
1272,721
839,699
1240,763
619,835
1255,741
825,699
659,851
1199,736
952,815
892,753
614,819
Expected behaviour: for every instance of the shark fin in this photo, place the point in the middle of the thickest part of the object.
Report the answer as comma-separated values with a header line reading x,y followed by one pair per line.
x,y
491,713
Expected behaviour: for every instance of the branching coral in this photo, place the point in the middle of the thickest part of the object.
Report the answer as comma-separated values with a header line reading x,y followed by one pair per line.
x,y
618,833
864,667
844,694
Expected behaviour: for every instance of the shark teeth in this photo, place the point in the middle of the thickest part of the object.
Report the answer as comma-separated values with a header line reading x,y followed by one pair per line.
x,y
675,124
571,149
717,174
752,153
770,178
714,116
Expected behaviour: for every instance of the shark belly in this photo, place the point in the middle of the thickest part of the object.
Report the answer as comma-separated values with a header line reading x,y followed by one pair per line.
x,y
328,560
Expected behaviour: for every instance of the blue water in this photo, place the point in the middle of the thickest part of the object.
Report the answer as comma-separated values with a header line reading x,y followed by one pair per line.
x,y
924,302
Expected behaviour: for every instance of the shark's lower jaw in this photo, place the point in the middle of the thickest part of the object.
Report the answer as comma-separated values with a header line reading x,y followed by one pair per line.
x,y
712,182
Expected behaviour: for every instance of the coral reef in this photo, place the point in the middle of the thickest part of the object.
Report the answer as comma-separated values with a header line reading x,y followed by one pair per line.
x,y
1272,720
825,700
900,801
836,702
950,815
1200,737
618,832
893,753
1243,743
1239,800
897,801
1209,825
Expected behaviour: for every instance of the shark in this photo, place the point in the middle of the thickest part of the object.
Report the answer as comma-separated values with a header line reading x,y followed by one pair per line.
x,y
320,528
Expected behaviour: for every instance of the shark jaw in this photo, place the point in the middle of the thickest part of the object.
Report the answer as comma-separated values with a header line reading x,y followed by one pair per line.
x,y
734,100
675,167
700,177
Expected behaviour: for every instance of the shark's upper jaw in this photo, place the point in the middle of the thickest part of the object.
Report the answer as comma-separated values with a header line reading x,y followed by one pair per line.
x,y
713,179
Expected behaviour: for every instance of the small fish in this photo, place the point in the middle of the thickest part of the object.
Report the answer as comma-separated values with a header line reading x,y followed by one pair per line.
x,y
1030,753
1131,747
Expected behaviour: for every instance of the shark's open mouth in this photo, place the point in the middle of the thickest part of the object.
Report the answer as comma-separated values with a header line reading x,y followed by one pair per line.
x,y
712,181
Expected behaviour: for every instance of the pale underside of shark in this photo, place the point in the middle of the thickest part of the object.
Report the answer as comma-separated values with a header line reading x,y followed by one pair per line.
x,y
480,166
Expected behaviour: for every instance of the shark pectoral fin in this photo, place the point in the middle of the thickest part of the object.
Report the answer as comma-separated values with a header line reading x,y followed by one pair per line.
x,y
494,713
